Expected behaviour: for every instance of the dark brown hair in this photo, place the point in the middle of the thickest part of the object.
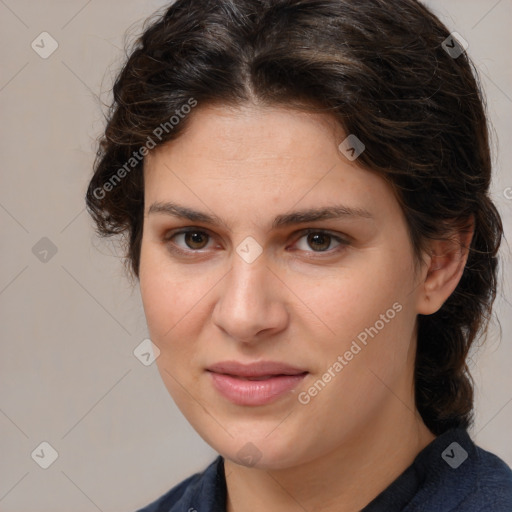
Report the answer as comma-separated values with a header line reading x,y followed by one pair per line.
x,y
384,70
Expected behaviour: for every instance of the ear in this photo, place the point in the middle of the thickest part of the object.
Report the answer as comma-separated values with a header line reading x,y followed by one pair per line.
x,y
443,268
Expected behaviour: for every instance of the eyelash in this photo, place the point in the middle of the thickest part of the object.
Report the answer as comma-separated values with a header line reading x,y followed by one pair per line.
x,y
190,252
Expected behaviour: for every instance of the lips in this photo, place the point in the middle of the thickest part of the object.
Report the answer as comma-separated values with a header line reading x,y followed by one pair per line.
x,y
265,377
261,369
256,383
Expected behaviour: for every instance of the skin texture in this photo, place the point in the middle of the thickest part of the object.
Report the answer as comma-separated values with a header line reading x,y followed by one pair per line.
x,y
294,304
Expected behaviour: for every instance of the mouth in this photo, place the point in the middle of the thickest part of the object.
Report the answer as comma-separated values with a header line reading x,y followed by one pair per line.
x,y
258,370
255,384
263,377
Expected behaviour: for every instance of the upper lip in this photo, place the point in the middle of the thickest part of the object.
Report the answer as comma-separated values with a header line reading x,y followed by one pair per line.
x,y
259,369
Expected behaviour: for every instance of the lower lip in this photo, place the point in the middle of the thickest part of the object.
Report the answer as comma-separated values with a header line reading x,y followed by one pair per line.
x,y
255,392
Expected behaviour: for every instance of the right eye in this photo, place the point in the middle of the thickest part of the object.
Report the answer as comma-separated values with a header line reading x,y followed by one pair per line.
x,y
190,240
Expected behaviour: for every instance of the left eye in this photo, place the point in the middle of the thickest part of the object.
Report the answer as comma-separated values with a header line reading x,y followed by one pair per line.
x,y
320,241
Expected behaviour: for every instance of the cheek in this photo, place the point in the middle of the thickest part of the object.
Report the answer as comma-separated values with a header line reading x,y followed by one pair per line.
x,y
175,301
368,357
164,297
168,302
159,301
370,314
353,298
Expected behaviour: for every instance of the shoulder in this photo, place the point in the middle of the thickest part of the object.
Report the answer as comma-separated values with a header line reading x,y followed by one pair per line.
x,y
202,488
463,477
493,489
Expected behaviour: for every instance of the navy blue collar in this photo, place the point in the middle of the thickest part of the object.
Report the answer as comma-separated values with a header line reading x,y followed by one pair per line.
x,y
432,473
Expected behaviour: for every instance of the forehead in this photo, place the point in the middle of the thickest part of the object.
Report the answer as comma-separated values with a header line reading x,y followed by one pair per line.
x,y
250,133
261,159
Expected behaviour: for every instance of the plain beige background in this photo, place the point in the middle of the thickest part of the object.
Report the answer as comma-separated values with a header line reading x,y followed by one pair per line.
x,y
68,375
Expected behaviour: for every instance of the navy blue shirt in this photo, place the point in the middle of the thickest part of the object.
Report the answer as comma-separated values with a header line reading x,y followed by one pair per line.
x,y
450,474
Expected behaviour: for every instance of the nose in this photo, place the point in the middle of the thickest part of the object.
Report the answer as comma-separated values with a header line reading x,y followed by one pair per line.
x,y
252,301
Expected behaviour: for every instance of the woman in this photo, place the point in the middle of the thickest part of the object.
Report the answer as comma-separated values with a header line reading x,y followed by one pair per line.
x,y
304,190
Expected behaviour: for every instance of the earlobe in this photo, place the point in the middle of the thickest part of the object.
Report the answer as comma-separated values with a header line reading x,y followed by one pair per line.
x,y
443,269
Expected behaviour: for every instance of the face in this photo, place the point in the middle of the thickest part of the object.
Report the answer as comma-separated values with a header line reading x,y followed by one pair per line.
x,y
278,283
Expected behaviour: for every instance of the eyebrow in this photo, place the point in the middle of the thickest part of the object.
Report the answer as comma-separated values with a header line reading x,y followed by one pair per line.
x,y
287,219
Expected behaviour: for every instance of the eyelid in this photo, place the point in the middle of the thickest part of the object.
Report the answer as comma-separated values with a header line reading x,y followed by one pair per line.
x,y
180,231
345,239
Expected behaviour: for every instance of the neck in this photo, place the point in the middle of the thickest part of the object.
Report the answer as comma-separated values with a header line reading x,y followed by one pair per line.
x,y
343,480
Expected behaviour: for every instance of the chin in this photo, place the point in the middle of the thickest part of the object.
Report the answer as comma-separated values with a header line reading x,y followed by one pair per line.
x,y
278,450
